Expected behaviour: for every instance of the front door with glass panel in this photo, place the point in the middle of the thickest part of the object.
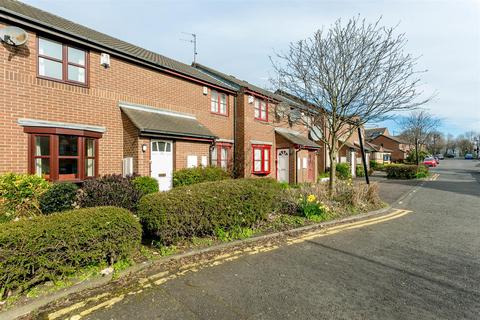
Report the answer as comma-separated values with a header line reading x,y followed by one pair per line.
x,y
282,165
162,163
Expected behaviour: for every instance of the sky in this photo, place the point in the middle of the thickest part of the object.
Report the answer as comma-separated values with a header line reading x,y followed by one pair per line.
x,y
237,37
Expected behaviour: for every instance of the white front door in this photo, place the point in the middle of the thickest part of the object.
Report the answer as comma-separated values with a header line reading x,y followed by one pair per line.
x,y
283,157
162,163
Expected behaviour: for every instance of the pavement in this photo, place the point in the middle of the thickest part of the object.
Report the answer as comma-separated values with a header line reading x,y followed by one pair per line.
x,y
422,263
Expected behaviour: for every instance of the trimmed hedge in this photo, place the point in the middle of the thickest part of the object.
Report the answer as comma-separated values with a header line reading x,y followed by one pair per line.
x,y
191,176
199,209
343,171
360,171
109,190
46,248
145,184
401,171
60,197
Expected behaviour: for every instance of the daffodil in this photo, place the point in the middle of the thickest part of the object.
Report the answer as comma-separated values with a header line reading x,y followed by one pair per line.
x,y
311,198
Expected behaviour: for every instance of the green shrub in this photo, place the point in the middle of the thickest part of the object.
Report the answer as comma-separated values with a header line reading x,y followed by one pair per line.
x,y
401,171
46,248
360,171
343,171
191,176
311,208
198,210
373,164
411,157
109,190
19,195
422,172
60,197
145,184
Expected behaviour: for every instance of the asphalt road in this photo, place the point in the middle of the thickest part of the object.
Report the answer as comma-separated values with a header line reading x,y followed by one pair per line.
x,y
424,265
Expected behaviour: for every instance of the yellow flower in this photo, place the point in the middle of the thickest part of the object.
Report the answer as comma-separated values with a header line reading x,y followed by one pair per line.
x,y
311,198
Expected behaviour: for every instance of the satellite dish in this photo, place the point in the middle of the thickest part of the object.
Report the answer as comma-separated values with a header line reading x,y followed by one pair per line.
x,y
14,36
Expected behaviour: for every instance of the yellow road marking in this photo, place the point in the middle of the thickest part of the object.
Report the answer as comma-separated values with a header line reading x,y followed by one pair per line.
x,y
164,276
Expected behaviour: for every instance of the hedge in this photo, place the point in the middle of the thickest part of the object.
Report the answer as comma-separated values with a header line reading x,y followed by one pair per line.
x,y
199,209
145,184
60,197
401,171
343,171
109,190
19,195
191,176
46,248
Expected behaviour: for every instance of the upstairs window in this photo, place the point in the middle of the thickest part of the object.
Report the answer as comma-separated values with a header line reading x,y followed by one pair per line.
x,y
261,109
218,102
261,159
59,62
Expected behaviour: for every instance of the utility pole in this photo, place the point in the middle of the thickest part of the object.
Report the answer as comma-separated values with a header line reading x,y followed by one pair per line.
x,y
194,41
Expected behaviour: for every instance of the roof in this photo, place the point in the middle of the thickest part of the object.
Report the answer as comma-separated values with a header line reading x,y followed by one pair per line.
x,y
372,133
231,80
162,122
296,138
376,148
349,144
393,138
55,23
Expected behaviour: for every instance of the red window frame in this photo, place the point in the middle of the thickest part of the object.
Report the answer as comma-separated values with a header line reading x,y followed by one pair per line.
x,y
219,147
219,94
65,63
260,100
54,157
263,169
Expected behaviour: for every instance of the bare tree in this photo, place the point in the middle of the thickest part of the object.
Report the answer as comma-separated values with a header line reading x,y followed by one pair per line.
x,y
436,142
350,74
418,128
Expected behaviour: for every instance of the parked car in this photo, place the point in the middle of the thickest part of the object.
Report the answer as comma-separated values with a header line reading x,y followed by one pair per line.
x,y
468,156
440,156
430,162
436,159
450,155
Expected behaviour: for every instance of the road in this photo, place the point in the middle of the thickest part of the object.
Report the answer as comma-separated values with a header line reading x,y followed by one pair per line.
x,y
424,265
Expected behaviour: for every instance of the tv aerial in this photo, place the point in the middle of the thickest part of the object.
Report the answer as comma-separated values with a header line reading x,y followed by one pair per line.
x,y
194,41
13,36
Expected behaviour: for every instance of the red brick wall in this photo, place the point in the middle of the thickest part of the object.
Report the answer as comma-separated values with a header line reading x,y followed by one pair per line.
x,y
183,149
23,95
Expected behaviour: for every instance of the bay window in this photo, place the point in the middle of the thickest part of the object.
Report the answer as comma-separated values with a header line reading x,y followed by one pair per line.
x,y
218,102
261,159
261,109
58,154
60,62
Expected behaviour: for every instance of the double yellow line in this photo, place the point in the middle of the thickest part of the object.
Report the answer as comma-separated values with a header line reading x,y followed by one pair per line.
x,y
434,177
164,276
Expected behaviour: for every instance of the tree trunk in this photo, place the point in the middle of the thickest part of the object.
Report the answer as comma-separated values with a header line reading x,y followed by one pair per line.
x,y
416,151
333,168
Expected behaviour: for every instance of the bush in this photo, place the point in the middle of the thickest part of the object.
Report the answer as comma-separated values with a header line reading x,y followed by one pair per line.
x,y
373,164
191,176
46,248
200,209
109,190
422,172
19,195
360,171
60,197
411,157
343,171
401,171
145,184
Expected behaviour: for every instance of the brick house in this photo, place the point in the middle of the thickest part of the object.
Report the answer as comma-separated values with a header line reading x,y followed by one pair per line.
x,y
76,103
268,144
398,148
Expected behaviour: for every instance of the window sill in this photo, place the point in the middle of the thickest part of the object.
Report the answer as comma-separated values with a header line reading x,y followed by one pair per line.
x,y
72,83
219,114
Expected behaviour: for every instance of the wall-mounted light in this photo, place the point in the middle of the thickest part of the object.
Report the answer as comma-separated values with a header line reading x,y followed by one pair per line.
x,y
144,147
205,90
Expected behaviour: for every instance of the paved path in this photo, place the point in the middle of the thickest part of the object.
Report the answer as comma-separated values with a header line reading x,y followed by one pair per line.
x,y
424,265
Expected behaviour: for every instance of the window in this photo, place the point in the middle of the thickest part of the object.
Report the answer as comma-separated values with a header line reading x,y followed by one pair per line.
x,y
261,109
62,154
261,159
57,61
221,155
218,102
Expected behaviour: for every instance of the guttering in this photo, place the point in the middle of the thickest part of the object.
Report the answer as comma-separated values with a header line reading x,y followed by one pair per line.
x,y
52,30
